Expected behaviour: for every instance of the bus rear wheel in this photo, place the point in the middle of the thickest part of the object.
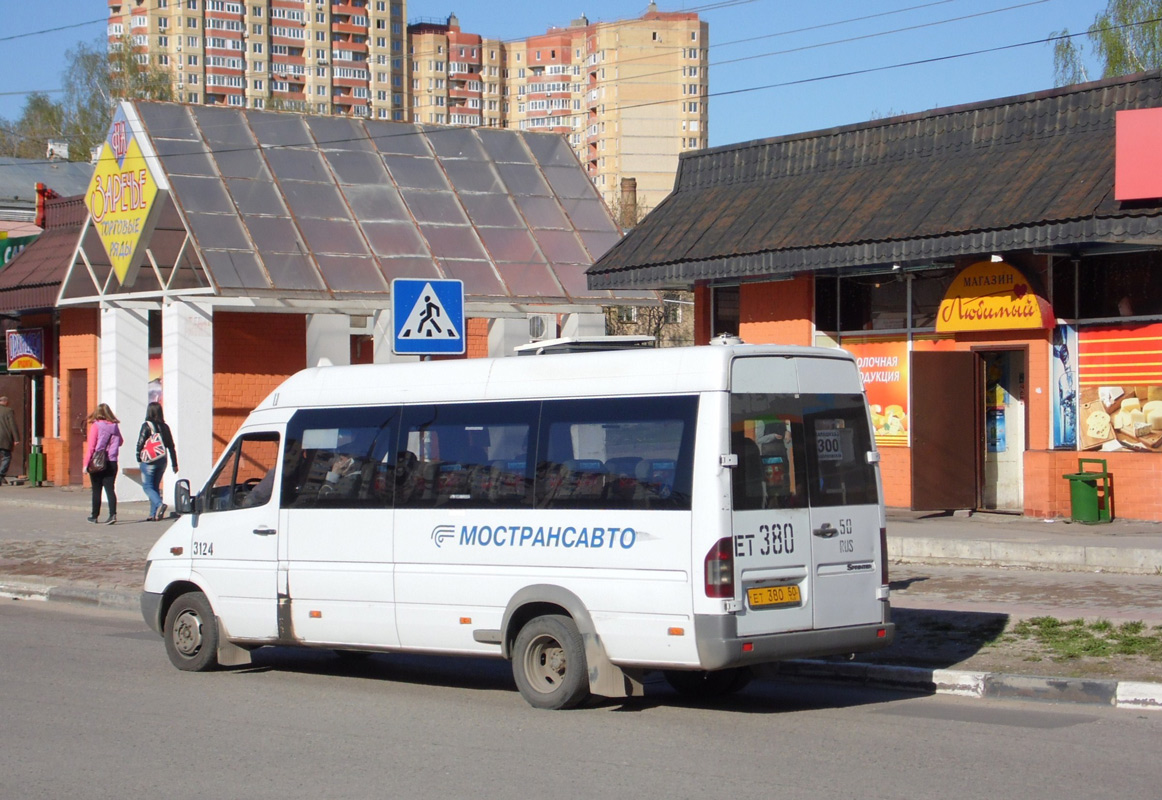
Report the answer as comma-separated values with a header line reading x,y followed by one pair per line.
x,y
191,633
702,685
548,663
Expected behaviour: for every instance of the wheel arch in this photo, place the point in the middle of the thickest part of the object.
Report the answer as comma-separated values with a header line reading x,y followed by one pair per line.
x,y
605,677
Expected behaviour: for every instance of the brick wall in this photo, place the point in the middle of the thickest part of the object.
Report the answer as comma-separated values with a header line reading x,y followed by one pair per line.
x,y
777,312
1136,477
79,344
477,338
253,354
896,472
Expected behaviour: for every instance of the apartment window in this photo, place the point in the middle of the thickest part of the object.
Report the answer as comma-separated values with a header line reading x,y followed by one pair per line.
x,y
258,85
163,41
191,22
693,36
256,28
256,11
256,47
193,61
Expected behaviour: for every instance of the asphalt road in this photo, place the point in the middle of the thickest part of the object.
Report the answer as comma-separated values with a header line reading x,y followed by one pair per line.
x,y
93,709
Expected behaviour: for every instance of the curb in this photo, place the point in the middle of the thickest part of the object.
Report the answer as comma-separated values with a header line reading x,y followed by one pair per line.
x,y
1136,695
1057,556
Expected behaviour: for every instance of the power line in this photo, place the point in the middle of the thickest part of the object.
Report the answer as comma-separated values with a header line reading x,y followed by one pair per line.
x,y
27,34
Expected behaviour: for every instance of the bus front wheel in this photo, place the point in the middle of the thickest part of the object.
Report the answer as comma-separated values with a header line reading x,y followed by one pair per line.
x,y
191,633
549,663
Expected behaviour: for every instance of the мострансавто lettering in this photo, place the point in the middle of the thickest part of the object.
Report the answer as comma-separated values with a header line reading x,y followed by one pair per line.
x,y
547,536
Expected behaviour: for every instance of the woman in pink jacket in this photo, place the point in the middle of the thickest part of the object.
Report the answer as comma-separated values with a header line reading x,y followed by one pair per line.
x,y
104,434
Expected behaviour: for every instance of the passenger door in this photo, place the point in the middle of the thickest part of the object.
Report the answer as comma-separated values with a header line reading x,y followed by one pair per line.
x,y
235,538
340,475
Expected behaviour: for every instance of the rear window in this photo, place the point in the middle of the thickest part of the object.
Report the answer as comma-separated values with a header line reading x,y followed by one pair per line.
x,y
799,450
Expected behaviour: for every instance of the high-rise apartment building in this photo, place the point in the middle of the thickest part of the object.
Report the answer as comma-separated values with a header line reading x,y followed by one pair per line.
x,y
324,57
629,95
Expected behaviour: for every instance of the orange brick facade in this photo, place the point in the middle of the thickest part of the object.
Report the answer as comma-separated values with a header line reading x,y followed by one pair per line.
x,y
78,350
782,312
253,354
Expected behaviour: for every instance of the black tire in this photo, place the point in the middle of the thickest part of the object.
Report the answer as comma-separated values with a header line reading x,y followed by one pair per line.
x,y
191,633
548,663
701,685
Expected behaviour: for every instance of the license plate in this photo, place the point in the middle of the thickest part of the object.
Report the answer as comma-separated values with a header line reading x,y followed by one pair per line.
x,y
773,596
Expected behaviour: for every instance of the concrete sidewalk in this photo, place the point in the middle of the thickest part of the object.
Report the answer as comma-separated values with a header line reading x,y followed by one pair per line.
x,y
49,552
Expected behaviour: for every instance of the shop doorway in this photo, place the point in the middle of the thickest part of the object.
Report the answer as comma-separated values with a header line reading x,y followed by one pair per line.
x,y
968,430
1002,485
78,413
945,430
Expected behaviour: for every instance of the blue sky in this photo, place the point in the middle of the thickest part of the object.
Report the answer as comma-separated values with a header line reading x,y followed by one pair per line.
x,y
793,47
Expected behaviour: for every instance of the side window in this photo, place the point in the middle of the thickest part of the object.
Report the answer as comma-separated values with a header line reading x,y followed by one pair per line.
x,y
838,441
766,433
245,477
467,455
341,458
617,453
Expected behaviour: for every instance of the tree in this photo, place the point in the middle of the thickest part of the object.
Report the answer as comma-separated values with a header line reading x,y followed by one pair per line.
x,y
40,120
1125,38
96,79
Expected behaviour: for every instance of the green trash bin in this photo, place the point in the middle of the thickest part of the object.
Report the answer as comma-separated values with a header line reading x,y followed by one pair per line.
x,y
36,466
1091,496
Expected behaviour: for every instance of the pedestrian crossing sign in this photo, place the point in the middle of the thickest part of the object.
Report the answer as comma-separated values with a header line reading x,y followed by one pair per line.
x,y
427,317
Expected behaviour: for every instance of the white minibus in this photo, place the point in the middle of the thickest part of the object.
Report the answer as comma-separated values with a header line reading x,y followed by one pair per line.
x,y
591,517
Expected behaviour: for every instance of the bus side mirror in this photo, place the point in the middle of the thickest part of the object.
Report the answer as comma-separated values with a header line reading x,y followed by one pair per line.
x,y
182,501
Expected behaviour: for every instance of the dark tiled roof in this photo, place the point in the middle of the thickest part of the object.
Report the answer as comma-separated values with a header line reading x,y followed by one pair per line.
x,y
1011,174
30,281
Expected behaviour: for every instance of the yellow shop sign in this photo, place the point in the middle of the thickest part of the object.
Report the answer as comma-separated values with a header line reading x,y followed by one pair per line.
x,y
992,296
122,197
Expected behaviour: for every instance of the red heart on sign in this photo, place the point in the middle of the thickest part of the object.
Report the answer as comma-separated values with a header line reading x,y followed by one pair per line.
x,y
1019,290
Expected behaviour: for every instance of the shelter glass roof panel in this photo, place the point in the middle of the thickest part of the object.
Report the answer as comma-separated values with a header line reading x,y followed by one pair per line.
x,y
206,195
224,128
274,234
337,133
223,231
511,244
589,215
479,277
337,236
561,247
409,267
570,182
168,121
542,212
257,197
279,130
377,203
395,239
598,242
524,179
437,207
352,273
473,176
242,163
352,167
315,200
492,210
292,271
294,164
550,149
399,138
416,173
505,148
185,157
535,278
572,277
235,269
455,143
453,241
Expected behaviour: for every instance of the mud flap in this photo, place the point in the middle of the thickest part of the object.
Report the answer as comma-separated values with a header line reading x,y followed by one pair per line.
x,y
230,654
606,678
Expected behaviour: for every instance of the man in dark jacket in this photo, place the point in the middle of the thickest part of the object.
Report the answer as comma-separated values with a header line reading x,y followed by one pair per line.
x,y
8,437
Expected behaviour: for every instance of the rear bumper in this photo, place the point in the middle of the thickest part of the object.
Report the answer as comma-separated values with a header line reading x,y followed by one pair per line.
x,y
720,646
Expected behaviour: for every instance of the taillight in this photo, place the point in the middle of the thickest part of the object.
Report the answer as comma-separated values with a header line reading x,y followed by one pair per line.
x,y
720,569
883,556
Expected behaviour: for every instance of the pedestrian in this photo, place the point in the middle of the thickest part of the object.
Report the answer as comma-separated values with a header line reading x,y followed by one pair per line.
x,y
104,437
9,436
154,450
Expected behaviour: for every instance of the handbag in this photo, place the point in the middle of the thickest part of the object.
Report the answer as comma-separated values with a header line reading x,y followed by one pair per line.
x,y
98,461
154,448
